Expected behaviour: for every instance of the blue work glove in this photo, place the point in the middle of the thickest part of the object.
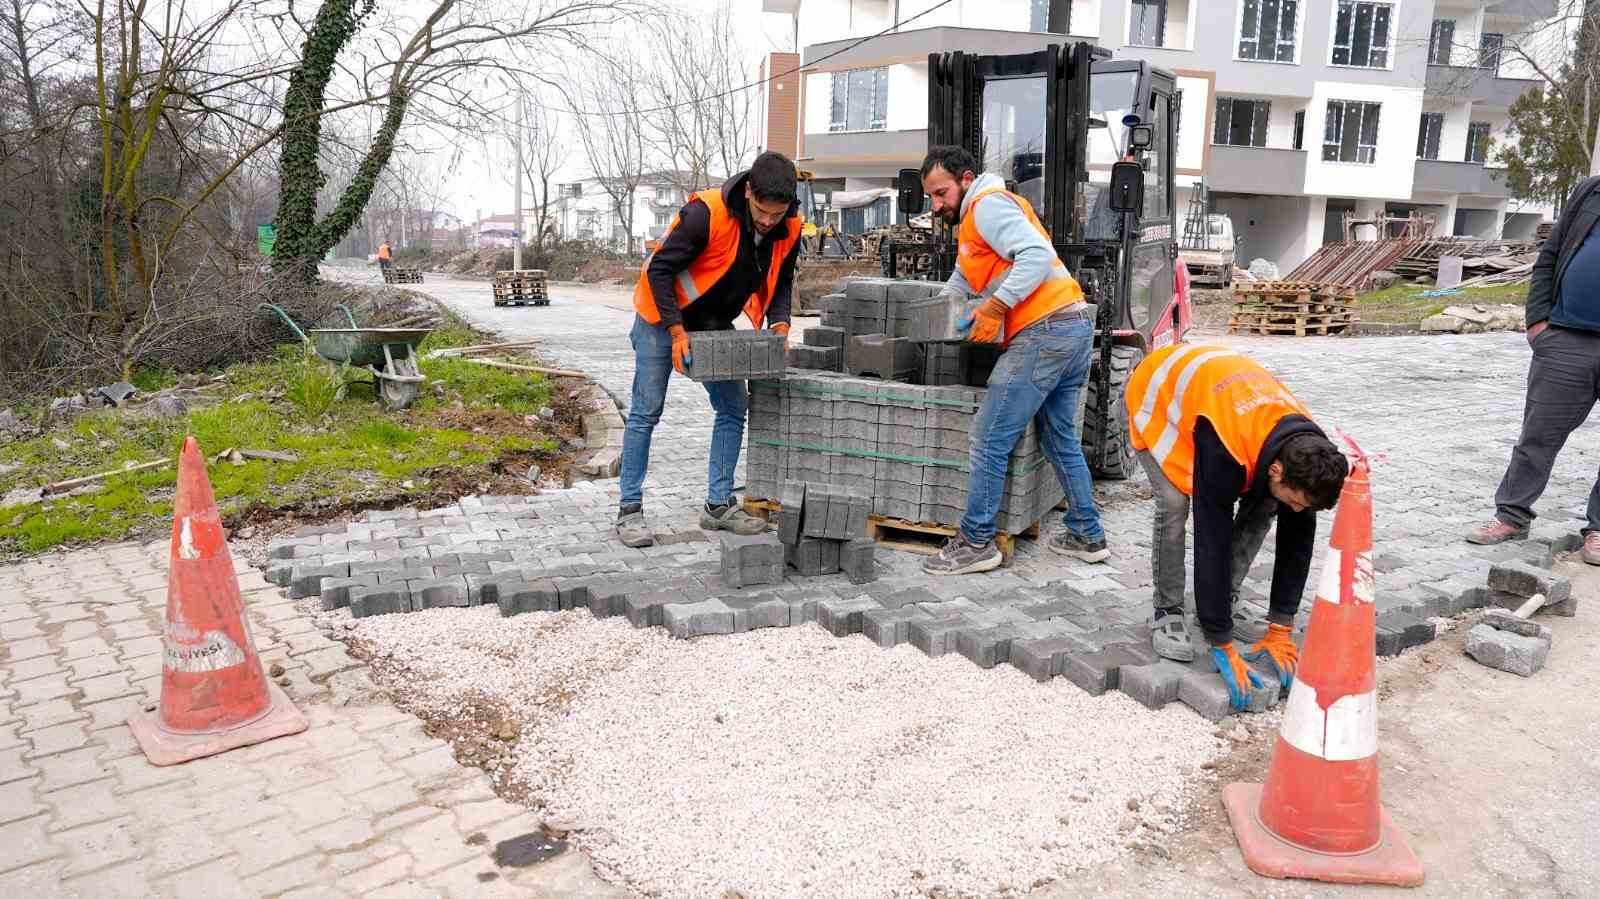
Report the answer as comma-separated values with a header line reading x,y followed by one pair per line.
x,y
1236,674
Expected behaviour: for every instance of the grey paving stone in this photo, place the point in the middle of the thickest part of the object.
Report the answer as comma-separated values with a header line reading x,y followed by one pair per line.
x,y
383,599
842,617
1097,671
697,619
1413,631
1206,694
987,647
438,593
336,590
1506,651
1526,580
1152,686
758,611
530,596
1500,619
648,609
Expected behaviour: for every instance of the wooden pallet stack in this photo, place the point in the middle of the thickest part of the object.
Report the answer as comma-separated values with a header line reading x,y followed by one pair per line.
x,y
1296,308
398,275
522,287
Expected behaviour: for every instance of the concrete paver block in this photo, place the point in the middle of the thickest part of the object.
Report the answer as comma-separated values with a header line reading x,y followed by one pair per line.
x,y
384,599
1506,651
1152,686
697,619
842,617
1206,694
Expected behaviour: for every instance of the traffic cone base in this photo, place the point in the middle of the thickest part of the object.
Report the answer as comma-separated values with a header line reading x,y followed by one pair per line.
x,y
1391,862
166,747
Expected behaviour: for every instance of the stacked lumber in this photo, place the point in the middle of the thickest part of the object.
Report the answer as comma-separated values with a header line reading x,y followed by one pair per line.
x,y
522,287
1297,308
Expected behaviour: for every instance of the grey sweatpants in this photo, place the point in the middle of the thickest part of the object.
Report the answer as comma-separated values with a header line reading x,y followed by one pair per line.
x,y
1563,383
1170,538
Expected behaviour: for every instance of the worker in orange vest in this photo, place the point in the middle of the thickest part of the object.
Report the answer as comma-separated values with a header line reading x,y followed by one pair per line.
x,y
729,250
1215,430
385,255
1018,294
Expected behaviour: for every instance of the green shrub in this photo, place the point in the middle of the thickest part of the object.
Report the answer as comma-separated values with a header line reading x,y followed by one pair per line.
x,y
313,385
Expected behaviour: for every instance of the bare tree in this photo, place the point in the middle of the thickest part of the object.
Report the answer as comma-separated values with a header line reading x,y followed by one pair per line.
x,y
615,137
700,123
544,152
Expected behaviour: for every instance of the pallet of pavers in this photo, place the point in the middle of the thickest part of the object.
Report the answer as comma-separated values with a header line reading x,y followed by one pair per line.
x,y
521,560
1298,308
522,287
906,446
398,275
736,355
879,326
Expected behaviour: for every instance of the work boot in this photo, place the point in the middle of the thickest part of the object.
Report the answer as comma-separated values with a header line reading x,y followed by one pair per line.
x,y
731,517
632,529
1591,547
1496,531
959,556
1070,544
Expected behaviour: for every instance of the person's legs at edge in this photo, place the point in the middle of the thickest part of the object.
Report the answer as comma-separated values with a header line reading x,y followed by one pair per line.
x,y
1168,544
652,367
1081,535
730,400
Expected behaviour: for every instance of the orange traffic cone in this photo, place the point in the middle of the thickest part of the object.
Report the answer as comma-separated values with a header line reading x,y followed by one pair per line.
x,y
214,695
1318,816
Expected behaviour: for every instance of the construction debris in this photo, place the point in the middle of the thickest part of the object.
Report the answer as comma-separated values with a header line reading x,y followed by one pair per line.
x,y
1475,319
1354,264
1297,308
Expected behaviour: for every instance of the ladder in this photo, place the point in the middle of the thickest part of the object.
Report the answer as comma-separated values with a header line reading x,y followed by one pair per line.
x,y
1195,234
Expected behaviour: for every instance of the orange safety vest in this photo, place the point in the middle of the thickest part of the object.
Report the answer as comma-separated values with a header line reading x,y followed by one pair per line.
x,y
722,248
383,251
984,268
1179,384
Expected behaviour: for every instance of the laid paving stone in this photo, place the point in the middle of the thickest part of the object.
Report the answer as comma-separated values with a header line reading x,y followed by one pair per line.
x,y
1206,694
438,593
1410,630
336,590
697,619
648,609
842,617
890,627
936,635
1097,671
384,599
987,647
515,598
1152,686
759,611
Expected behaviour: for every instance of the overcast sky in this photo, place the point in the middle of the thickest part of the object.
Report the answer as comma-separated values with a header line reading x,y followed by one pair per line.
x,y
482,177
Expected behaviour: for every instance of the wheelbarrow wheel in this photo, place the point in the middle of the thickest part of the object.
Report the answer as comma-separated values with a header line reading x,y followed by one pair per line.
x,y
398,395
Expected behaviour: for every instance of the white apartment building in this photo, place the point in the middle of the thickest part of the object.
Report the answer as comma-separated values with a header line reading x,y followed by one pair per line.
x,y
1294,112
583,210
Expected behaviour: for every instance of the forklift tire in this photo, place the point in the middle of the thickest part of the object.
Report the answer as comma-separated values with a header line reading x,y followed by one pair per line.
x,y
1105,425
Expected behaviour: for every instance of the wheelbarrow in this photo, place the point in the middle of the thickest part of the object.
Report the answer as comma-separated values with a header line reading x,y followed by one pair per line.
x,y
394,349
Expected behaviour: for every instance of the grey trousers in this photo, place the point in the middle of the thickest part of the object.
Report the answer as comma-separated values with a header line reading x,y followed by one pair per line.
x,y
1169,541
1563,383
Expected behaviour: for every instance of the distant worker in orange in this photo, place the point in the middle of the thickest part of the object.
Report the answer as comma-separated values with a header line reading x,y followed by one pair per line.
x,y
1215,430
385,255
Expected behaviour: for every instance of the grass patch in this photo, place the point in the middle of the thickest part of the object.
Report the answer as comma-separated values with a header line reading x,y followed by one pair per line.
x,y
1401,305
350,450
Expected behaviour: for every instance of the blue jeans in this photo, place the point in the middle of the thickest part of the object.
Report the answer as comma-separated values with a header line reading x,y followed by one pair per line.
x,y
1038,377
652,367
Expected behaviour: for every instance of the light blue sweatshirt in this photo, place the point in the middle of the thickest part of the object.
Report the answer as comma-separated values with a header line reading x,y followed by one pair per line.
x,y
1005,227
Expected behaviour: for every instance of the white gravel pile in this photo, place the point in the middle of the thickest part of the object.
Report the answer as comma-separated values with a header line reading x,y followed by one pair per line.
x,y
792,763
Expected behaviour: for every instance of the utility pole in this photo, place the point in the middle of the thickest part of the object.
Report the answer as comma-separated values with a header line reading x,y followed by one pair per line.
x,y
516,230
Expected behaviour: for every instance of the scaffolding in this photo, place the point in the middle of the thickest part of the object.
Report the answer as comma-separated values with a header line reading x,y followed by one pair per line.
x,y
1196,236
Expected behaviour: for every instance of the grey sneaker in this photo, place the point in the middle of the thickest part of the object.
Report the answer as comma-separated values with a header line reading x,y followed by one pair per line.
x,y
1169,636
957,556
633,531
1070,544
1249,622
731,517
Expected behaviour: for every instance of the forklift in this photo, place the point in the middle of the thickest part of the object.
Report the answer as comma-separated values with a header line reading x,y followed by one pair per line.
x,y
1089,141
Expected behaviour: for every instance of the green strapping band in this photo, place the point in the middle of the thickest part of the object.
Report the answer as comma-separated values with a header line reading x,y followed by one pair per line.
x,y
864,394
1014,469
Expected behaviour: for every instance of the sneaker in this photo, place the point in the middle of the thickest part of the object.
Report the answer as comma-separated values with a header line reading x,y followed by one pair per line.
x,y
1249,622
1591,547
958,556
1070,544
1496,531
633,531
1169,636
731,517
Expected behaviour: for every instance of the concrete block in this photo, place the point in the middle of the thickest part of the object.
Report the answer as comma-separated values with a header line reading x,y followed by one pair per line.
x,y
842,617
1413,631
607,599
438,593
933,318
1457,594
383,599
306,580
789,516
815,358
987,647
649,609
697,619
936,635
813,556
761,610
1526,580
1152,686
1499,619
889,358
336,590
1507,651
857,560
1041,658
1097,671
825,337
1205,692
890,627
528,596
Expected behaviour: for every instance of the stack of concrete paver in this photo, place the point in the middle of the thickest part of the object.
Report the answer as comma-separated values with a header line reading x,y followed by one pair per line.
x,y
880,326
907,446
736,355
951,362
753,559
824,530
1504,641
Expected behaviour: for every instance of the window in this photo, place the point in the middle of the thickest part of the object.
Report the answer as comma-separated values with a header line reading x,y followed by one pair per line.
x,y
1350,133
1489,45
1041,12
572,190
1267,30
1157,187
1241,123
860,100
1428,135
1361,35
663,218
1300,130
1440,42
1478,142
1147,22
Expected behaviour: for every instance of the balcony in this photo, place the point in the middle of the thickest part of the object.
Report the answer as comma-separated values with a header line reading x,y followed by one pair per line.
x,y
1472,178
916,44
1475,85
1256,170
845,153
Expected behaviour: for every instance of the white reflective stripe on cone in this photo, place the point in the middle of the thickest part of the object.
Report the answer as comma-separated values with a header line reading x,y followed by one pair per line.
x,y
1363,587
1169,437
1147,405
1347,731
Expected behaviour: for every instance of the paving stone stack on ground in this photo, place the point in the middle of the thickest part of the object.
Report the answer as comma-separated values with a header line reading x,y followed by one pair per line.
x,y
907,446
817,522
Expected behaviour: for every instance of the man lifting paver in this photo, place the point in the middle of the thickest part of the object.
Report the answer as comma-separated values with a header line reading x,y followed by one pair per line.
x,y
1563,317
1027,301
1214,430
729,250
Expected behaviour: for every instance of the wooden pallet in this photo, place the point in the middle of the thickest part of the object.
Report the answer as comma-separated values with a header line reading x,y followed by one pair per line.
x,y
1299,325
526,287
922,537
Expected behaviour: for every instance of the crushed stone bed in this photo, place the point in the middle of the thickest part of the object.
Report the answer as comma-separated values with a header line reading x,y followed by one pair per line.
x,y
780,763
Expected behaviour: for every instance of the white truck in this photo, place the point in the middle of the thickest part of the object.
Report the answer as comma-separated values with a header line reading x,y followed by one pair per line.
x,y
1211,265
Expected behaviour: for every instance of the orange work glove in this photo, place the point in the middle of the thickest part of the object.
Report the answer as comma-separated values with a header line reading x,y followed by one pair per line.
x,y
782,328
681,357
1236,674
985,323
1277,646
